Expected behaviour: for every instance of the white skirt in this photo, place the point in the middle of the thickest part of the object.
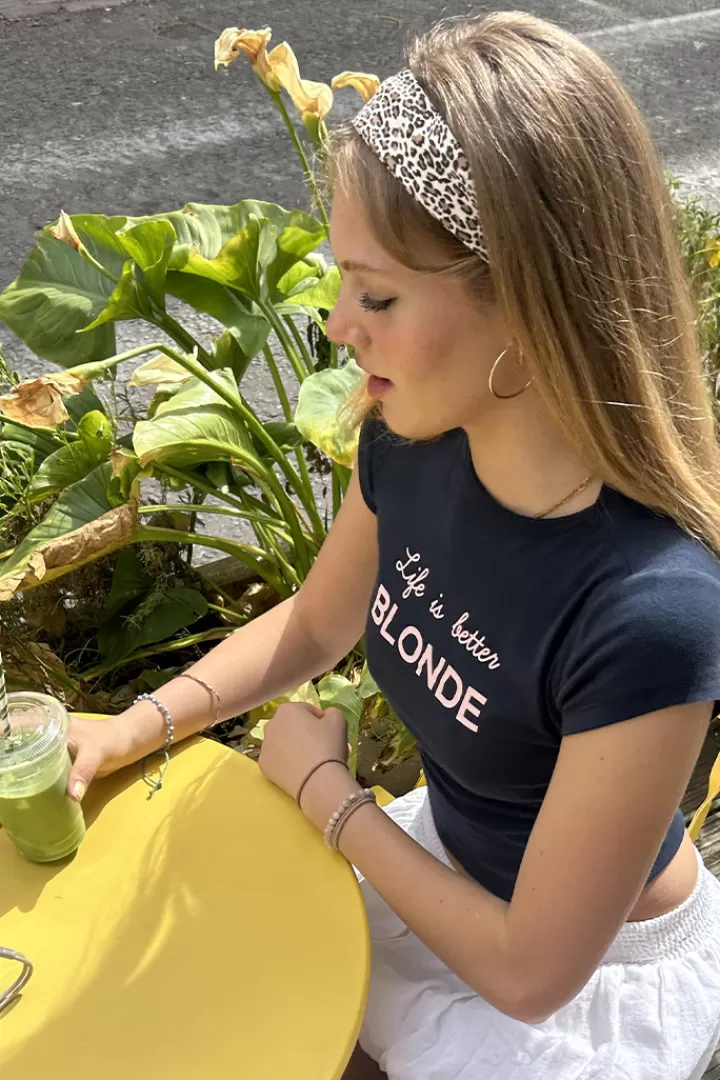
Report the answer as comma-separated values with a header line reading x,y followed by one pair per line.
x,y
651,1011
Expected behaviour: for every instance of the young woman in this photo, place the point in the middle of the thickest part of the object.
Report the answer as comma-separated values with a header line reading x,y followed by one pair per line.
x,y
529,544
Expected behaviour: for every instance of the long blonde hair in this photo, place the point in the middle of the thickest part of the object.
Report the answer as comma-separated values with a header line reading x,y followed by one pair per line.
x,y
584,259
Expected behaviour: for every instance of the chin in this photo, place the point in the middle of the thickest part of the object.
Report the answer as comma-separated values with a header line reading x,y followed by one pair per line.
x,y
413,426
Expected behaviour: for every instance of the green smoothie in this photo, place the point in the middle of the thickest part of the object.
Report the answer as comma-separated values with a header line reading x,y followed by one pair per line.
x,y
35,810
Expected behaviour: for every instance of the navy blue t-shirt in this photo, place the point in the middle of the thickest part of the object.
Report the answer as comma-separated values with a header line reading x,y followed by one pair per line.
x,y
493,635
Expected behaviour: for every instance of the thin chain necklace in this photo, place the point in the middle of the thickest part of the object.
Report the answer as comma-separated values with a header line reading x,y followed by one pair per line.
x,y
571,495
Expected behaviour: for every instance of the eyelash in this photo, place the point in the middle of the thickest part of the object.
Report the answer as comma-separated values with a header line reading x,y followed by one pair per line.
x,y
368,304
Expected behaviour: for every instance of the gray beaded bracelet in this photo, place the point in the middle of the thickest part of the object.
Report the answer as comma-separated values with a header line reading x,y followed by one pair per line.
x,y
339,819
155,785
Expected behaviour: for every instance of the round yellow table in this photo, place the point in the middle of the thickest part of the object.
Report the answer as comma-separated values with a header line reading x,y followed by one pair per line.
x,y
204,933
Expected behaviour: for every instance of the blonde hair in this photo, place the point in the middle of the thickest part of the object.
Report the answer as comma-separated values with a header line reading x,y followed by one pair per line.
x,y
584,259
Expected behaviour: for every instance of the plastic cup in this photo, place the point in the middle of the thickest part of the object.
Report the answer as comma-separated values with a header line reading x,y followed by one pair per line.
x,y
40,818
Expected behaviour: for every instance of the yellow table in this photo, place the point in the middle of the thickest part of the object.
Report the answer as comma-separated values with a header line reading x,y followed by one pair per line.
x,y
201,935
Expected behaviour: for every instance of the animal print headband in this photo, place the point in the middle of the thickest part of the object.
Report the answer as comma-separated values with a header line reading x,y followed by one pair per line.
x,y
408,134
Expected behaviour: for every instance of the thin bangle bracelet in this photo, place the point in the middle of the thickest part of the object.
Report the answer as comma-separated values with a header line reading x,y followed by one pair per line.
x,y
206,686
312,773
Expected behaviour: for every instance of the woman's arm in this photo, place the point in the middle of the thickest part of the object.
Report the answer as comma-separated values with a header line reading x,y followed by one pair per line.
x,y
611,799
299,639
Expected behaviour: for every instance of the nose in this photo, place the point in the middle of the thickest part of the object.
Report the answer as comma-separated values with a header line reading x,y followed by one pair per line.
x,y
343,330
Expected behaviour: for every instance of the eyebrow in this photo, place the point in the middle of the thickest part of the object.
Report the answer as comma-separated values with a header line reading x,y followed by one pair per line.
x,y
360,267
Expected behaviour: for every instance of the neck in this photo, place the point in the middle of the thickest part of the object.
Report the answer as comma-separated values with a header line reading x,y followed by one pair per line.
x,y
524,464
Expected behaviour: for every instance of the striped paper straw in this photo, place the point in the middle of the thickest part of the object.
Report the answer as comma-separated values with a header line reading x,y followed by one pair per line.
x,y
4,710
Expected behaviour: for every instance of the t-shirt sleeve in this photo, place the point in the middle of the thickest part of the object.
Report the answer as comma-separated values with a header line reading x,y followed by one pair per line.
x,y
372,447
647,644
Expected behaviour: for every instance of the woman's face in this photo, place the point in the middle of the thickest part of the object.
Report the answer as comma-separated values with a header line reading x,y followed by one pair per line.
x,y
422,333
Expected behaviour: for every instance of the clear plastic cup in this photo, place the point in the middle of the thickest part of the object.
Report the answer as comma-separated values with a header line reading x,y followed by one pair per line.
x,y
37,814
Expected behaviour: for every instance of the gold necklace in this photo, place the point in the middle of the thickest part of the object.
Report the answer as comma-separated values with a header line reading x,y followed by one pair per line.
x,y
567,498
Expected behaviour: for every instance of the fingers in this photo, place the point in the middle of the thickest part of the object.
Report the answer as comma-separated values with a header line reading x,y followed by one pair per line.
x,y
86,763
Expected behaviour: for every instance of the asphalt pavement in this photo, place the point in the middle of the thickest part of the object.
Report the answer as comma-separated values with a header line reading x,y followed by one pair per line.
x,y
115,107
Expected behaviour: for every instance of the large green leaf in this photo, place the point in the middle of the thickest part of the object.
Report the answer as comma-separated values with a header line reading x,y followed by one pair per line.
x,y
228,351
128,300
99,235
322,294
151,244
243,260
128,630
58,293
84,402
70,463
194,425
39,441
207,228
321,398
83,524
129,581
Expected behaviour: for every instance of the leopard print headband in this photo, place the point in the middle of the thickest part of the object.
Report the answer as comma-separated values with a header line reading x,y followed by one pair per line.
x,y
412,139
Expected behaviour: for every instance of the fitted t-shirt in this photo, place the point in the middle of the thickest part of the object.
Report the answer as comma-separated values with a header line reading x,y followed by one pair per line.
x,y
493,635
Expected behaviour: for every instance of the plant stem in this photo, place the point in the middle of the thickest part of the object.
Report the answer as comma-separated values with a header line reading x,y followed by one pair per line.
x,y
246,553
322,212
233,616
189,508
277,380
302,347
98,266
180,335
278,326
173,646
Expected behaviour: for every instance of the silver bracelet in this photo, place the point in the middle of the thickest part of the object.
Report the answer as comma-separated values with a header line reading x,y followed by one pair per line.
x,y
155,785
339,819
206,686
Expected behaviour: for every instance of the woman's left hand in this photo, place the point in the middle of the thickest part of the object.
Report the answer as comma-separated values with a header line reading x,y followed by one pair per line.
x,y
299,737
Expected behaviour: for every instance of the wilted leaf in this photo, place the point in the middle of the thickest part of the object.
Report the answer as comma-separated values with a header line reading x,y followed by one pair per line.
x,y
161,370
260,716
321,398
39,402
82,525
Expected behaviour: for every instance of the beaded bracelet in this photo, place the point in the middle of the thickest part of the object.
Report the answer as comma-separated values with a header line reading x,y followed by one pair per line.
x,y
155,785
339,819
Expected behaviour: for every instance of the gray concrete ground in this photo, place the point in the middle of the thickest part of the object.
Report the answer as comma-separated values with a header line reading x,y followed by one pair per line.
x,y
115,107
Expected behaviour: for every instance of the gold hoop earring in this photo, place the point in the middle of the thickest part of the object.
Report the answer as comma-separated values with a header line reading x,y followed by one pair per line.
x,y
491,388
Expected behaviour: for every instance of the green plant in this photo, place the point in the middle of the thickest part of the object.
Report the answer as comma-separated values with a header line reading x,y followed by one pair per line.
x,y
77,449
698,229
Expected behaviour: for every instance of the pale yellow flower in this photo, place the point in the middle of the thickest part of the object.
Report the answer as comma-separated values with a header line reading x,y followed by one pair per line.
x,y
311,99
366,85
64,230
253,43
